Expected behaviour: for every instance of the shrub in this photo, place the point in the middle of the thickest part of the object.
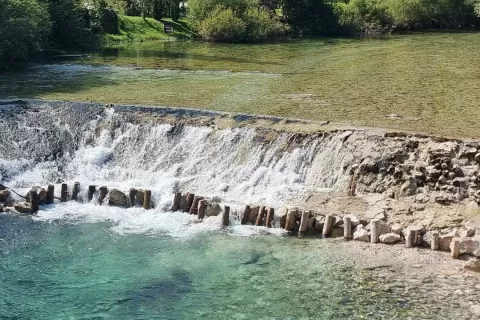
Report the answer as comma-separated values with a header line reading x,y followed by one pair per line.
x,y
261,25
222,25
24,26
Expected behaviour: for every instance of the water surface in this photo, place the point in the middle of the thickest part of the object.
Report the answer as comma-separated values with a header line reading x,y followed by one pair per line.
x,y
429,82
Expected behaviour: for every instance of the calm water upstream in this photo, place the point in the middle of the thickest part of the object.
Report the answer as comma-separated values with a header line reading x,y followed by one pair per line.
x,y
430,82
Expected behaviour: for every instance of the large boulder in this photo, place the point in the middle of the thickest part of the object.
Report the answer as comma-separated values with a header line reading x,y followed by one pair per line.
x,y
390,238
22,207
117,198
213,209
361,234
468,245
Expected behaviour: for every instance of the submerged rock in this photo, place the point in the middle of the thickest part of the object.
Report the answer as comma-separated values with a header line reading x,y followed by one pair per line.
x,y
390,238
213,209
117,198
361,234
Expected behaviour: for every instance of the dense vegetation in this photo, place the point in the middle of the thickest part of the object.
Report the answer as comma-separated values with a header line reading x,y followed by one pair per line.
x,y
29,26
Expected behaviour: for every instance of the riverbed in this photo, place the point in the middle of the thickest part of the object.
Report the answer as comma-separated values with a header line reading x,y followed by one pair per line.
x,y
418,82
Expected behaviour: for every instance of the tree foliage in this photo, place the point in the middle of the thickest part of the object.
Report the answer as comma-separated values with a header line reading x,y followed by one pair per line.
x,y
234,20
24,26
315,17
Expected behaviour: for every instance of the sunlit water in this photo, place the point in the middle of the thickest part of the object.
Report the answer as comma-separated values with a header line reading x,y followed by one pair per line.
x,y
431,82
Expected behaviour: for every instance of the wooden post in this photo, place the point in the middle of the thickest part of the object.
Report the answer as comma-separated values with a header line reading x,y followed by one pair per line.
x,y
327,227
435,241
76,191
202,206
50,193
246,212
304,223
290,221
270,217
91,192
194,207
131,196
147,196
455,248
64,193
188,205
226,216
261,216
34,200
375,231
347,228
409,238
102,195
176,202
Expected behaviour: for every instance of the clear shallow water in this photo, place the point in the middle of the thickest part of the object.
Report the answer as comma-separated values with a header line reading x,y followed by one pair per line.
x,y
431,81
64,270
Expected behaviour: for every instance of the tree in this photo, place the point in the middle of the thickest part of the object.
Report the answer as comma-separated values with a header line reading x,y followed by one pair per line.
x,y
24,27
314,17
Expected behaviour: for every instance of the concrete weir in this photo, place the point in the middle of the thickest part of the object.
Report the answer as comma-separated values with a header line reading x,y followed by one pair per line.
x,y
311,179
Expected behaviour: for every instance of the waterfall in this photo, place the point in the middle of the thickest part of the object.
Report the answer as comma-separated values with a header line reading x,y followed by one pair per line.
x,y
53,142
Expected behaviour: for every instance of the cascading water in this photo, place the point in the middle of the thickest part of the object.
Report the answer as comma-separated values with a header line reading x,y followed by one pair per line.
x,y
85,261
61,142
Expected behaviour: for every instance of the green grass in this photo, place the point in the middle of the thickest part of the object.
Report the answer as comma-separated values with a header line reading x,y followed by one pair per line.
x,y
138,29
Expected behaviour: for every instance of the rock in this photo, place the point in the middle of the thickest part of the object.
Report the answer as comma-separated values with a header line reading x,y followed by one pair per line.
x,y
361,234
337,221
473,264
442,180
319,225
475,310
458,182
409,187
4,195
117,198
466,232
445,241
444,198
41,193
344,136
22,207
418,230
390,238
477,157
213,209
397,229
468,245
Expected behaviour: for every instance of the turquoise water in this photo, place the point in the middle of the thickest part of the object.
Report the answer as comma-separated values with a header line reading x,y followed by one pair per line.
x,y
64,270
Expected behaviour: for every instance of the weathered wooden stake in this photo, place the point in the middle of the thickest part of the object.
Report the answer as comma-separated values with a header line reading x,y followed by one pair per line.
x,y
435,241
455,248
50,193
194,207
76,191
34,200
304,223
91,192
102,195
188,205
147,196
226,216
327,227
202,206
176,202
347,228
246,212
375,231
64,193
409,238
270,217
290,221
261,216
131,196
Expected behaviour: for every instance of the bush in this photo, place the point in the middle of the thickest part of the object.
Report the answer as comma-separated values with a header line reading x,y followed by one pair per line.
x,y
234,20
24,26
222,25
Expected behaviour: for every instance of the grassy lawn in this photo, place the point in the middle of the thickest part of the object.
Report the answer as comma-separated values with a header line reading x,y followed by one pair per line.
x,y
138,29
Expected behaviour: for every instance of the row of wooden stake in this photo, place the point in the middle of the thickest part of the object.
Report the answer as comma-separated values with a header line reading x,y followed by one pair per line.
x,y
196,205
102,194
